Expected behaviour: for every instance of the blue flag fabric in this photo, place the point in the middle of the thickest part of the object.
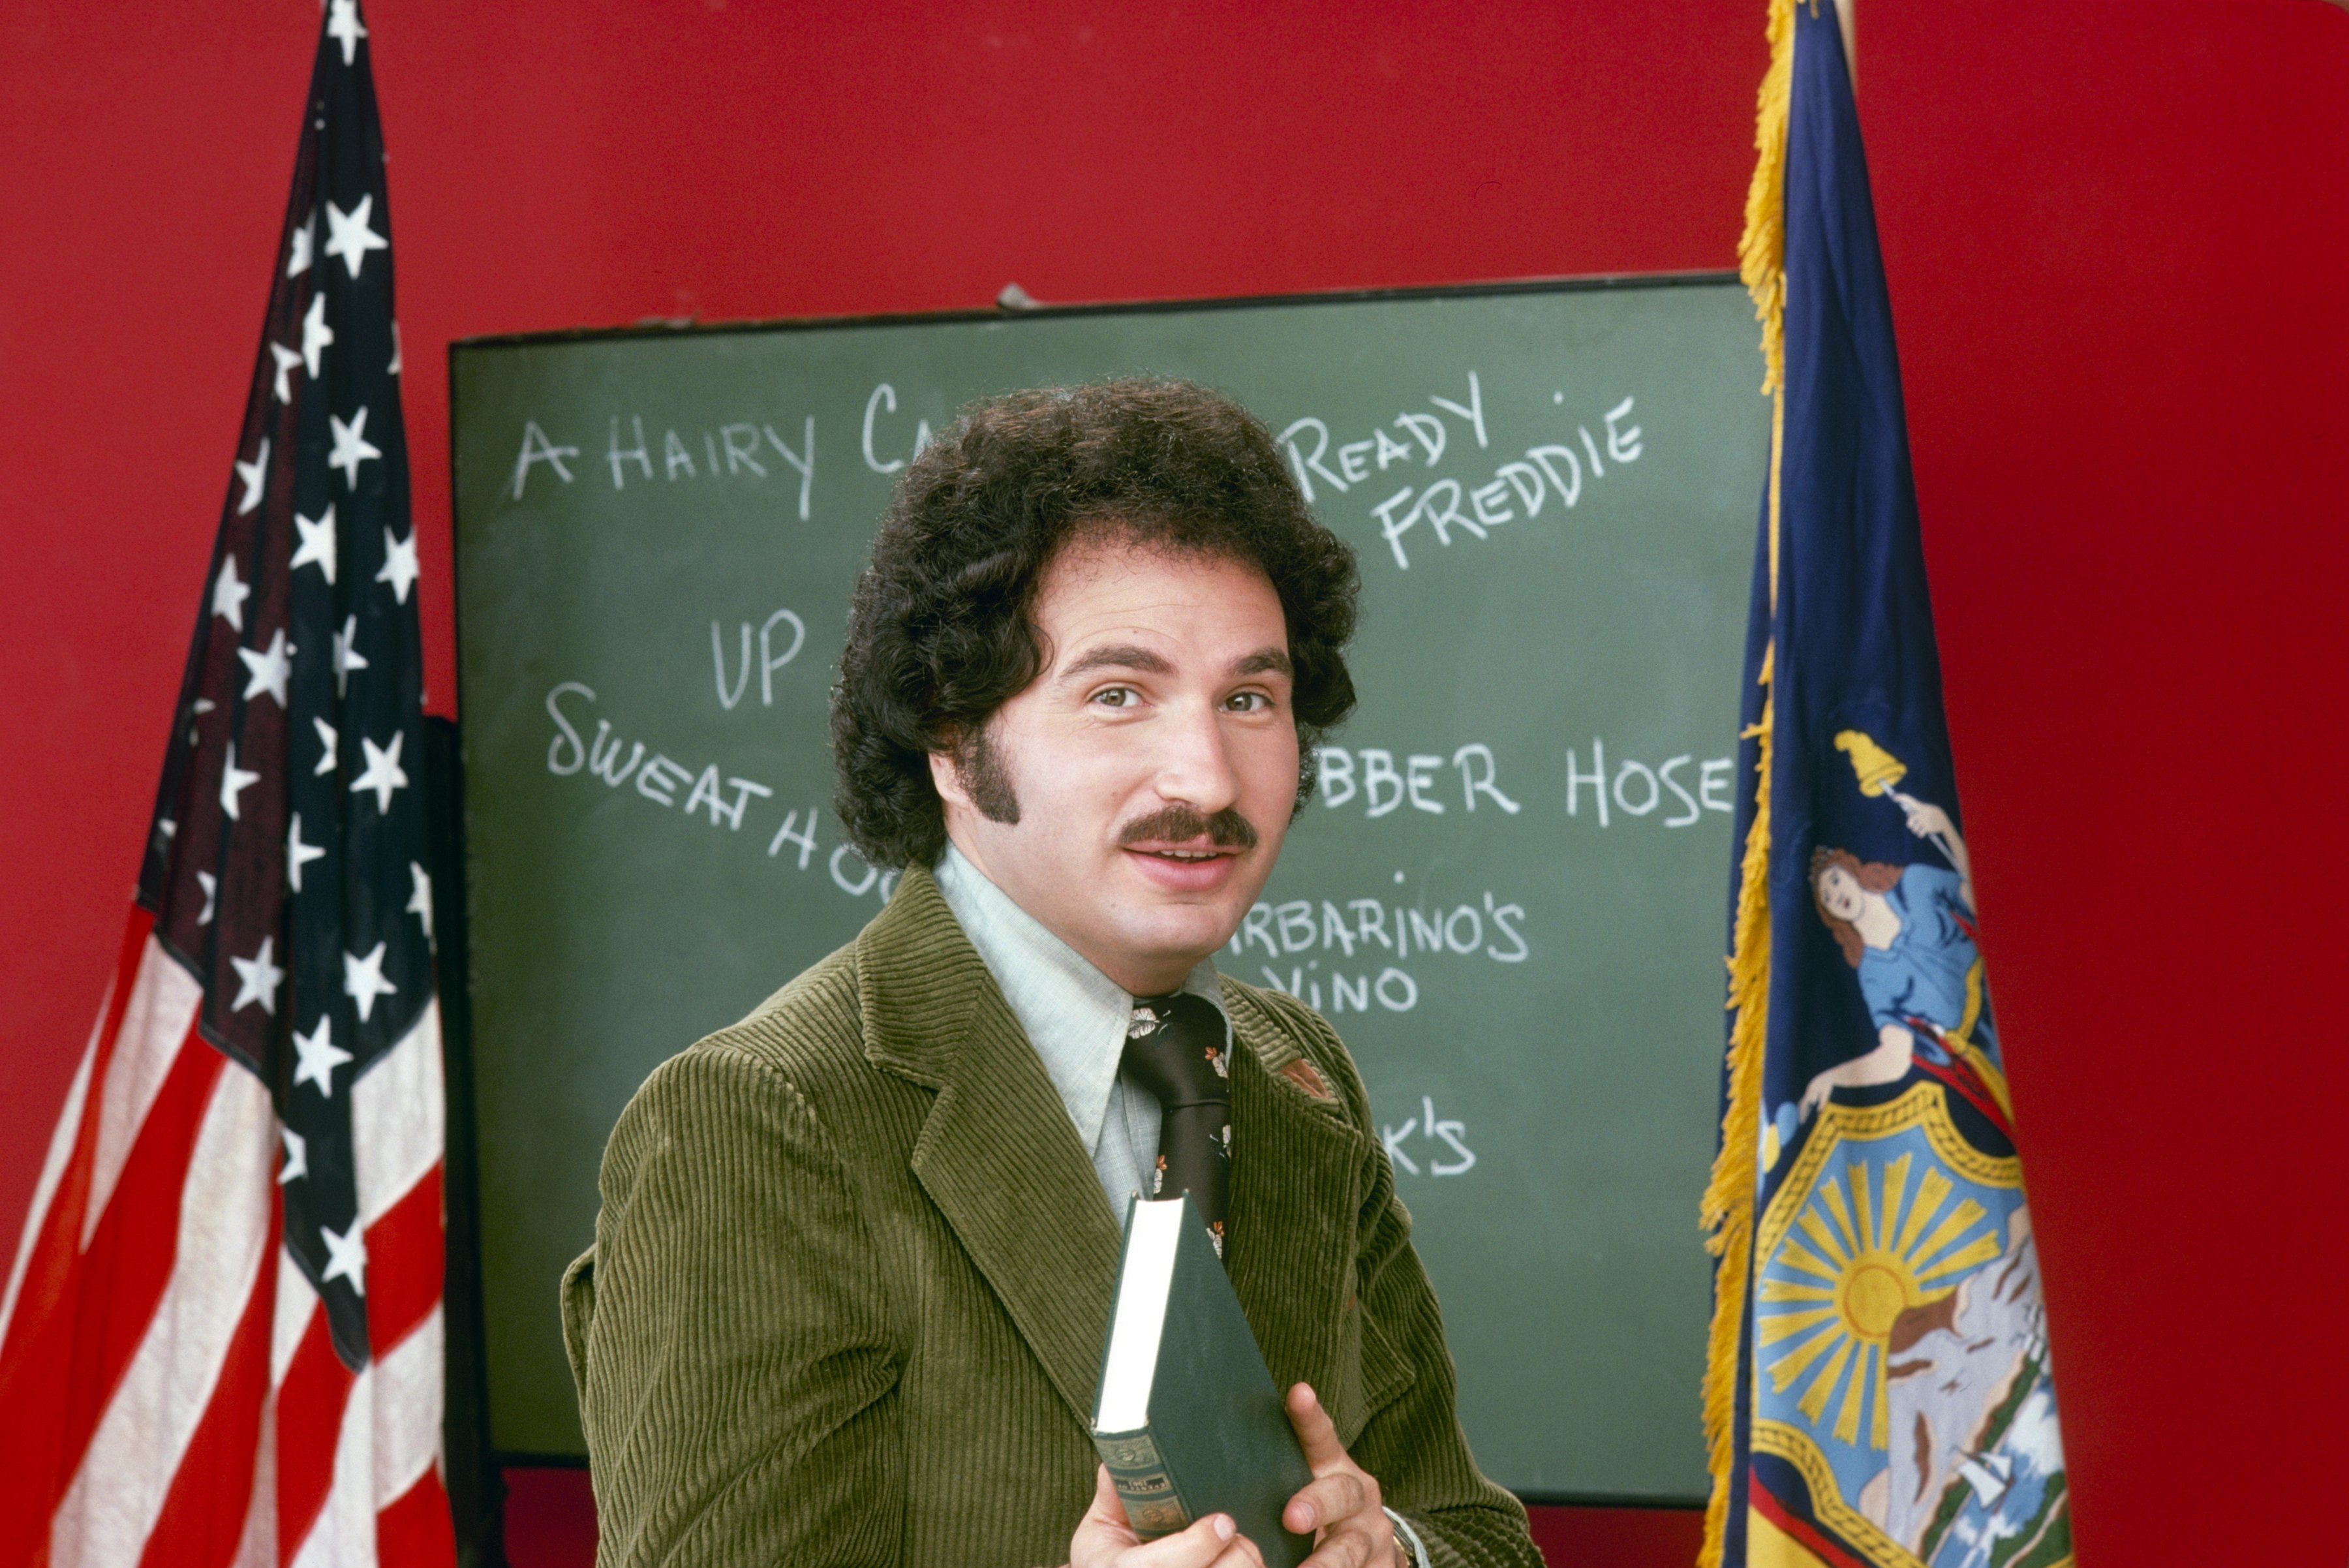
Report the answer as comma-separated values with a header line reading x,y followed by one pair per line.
x,y
1892,1399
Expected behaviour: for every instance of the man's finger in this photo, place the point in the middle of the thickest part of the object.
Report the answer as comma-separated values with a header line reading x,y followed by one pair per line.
x,y
1347,1549
1333,1496
1107,1506
1240,1554
1206,1543
1102,1533
1315,1430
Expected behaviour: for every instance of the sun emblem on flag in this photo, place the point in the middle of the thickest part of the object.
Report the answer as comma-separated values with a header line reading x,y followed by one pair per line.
x,y
1866,1249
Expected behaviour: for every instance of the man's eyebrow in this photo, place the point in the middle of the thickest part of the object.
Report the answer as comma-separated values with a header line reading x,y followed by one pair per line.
x,y
1118,656
1262,659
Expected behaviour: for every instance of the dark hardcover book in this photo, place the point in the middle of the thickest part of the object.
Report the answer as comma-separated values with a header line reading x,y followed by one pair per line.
x,y
1187,1419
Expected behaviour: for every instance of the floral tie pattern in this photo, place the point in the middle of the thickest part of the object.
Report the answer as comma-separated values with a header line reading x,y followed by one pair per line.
x,y
1176,1049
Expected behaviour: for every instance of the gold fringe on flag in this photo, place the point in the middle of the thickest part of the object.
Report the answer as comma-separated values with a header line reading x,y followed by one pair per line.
x,y
1727,1213
1761,249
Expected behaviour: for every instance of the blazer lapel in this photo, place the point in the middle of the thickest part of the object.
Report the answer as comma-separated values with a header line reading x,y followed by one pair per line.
x,y
1297,1163
997,1153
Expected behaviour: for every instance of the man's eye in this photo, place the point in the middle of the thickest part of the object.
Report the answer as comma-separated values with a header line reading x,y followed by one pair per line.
x,y
1115,696
1249,702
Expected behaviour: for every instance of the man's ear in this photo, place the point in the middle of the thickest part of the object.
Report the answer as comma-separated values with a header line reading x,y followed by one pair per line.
x,y
945,777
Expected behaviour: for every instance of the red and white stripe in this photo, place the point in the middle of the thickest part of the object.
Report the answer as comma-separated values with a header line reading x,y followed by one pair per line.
x,y
168,1391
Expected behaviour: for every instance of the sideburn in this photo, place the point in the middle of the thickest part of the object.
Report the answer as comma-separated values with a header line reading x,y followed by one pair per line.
x,y
983,775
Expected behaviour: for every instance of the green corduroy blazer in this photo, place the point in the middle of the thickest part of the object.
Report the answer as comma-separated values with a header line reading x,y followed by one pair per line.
x,y
853,1270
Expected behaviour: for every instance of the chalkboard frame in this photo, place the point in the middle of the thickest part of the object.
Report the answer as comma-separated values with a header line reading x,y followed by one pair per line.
x,y
680,326
478,1494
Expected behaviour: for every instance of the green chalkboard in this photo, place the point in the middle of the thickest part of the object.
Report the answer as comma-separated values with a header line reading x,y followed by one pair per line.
x,y
1508,897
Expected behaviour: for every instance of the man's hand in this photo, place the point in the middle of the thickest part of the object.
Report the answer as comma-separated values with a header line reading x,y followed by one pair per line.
x,y
1105,1540
1341,1503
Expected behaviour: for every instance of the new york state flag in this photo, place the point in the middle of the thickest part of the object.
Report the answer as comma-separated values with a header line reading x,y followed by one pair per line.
x,y
1878,1389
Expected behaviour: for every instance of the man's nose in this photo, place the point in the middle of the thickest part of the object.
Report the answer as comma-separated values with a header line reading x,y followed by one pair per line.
x,y
1194,765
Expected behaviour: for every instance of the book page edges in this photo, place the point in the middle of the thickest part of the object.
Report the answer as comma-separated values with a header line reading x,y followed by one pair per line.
x,y
1148,1273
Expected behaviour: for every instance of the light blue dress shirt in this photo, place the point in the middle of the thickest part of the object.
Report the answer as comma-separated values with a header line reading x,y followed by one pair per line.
x,y
1075,1016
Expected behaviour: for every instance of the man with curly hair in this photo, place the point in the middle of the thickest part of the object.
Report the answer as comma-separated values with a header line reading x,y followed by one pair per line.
x,y
856,1254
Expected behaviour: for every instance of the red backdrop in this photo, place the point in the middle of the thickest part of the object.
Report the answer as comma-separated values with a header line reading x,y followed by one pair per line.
x,y
2115,233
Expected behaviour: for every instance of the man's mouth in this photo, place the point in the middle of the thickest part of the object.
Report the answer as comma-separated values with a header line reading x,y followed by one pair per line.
x,y
1184,865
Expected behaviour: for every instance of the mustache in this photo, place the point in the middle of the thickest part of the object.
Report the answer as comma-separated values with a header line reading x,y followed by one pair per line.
x,y
1226,829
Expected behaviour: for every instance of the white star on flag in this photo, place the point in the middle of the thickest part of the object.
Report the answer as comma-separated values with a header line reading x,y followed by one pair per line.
x,y
234,782
352,446
349,236
318,546
419,897
298,854
382,773
328,739
257,977
297,250
229,595
210,885
393,368
268,670
253,475
297,1157
399,568
346,657
346,1256
317,1056
316,334
287,360
363,979
343,26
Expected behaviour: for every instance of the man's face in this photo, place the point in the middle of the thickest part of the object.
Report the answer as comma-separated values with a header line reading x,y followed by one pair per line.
x,y
1153,763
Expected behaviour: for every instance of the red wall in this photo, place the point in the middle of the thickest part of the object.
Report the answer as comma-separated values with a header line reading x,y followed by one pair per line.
x,y
2115,233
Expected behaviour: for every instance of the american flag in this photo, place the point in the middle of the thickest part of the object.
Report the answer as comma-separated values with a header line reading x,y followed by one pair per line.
x,y
221,1341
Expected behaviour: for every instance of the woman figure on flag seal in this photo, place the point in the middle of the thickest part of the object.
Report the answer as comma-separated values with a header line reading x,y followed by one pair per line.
x,y
1908,930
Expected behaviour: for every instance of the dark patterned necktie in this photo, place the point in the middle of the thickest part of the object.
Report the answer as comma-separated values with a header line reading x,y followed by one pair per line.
x,y
1175,1048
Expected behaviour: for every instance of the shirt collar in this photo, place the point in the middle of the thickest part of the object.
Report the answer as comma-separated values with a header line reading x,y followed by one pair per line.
x,y
1075,1014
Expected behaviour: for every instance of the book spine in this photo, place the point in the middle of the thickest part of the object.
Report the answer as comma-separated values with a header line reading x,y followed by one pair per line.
x,y
1144,1485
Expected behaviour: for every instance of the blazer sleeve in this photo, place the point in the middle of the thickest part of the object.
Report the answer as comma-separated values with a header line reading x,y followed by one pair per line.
x,y
1413,1442
730,1333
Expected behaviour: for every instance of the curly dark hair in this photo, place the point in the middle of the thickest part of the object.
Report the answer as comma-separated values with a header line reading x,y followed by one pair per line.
x,y
941,629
